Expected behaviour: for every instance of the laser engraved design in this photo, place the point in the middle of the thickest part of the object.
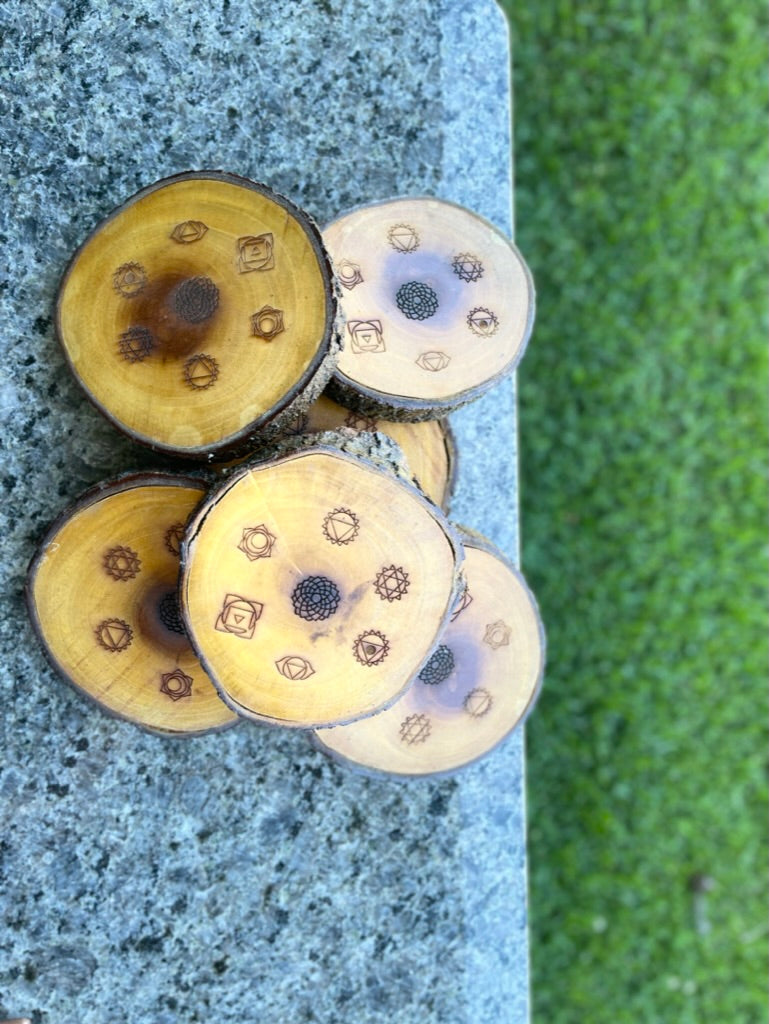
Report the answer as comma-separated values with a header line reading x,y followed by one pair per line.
x,y
366,336
173,538
359,422
135,344
349,274
129,279
416,300
188,231
415,729
467,267
114,635
439,667
464,601
122,563
315,598
267,323
341,526
195,299
170,616
497,634
482,322
371,648
176,684
256,542
294,667
239,616
433,361
298,425
478,702
392,583
403,238
201,371
255,252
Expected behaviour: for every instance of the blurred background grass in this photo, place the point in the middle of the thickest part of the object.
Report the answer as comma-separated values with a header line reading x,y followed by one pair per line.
x,y
641,208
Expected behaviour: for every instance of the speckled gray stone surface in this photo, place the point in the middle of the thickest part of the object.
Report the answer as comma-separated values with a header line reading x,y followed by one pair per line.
x,y
240,876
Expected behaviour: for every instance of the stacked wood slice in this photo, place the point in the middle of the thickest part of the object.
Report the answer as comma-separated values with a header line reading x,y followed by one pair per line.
x,y
310,579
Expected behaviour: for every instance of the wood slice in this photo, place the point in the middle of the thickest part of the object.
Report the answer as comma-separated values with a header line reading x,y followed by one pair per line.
x,y
315,584
439,307
477,686
102,595
429,448
200,312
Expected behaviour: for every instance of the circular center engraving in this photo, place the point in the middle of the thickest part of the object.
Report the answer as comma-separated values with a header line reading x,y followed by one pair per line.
x,y
416,300
315,598
170,616
195,299
439,667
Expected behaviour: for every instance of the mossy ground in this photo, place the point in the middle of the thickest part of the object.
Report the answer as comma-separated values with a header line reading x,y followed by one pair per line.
x,y
641,208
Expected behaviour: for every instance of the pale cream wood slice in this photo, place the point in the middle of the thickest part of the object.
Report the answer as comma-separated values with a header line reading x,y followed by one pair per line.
x,y
102,596
439,306
314,584
479,683
199,313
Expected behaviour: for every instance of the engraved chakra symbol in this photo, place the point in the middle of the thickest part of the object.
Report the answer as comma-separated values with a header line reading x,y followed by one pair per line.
x,y
267,322
294,667
176,684
239,616
201,371
391,583
349,274
403,238
135,344
482,322
129,279
478,702
256,542
416,300
121,563
356,421
366,335
439,667
196,300
497,634
188,231
433,361
170,616
255,252
172,538
467,267
315,598
415,729
464,601
341,526
371,648
114,635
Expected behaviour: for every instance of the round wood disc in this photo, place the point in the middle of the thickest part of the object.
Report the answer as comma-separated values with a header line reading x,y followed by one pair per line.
x,y
478,684
102,595
428,448
314,585
199,312
439,305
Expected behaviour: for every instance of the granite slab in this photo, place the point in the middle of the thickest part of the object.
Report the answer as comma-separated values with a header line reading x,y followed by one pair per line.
x,y
238,876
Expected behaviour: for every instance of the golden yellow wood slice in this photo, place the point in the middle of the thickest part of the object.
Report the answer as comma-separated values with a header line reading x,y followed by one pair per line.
x,y
439,306
428,448
200,312
102,595
479,683
314,585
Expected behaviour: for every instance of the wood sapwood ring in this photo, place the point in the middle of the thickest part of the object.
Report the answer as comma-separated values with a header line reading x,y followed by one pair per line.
x,y
439,306
200,312
479,683
314,583
102,596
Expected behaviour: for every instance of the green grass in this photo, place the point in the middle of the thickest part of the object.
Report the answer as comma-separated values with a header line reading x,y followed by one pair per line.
x,y
641,205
